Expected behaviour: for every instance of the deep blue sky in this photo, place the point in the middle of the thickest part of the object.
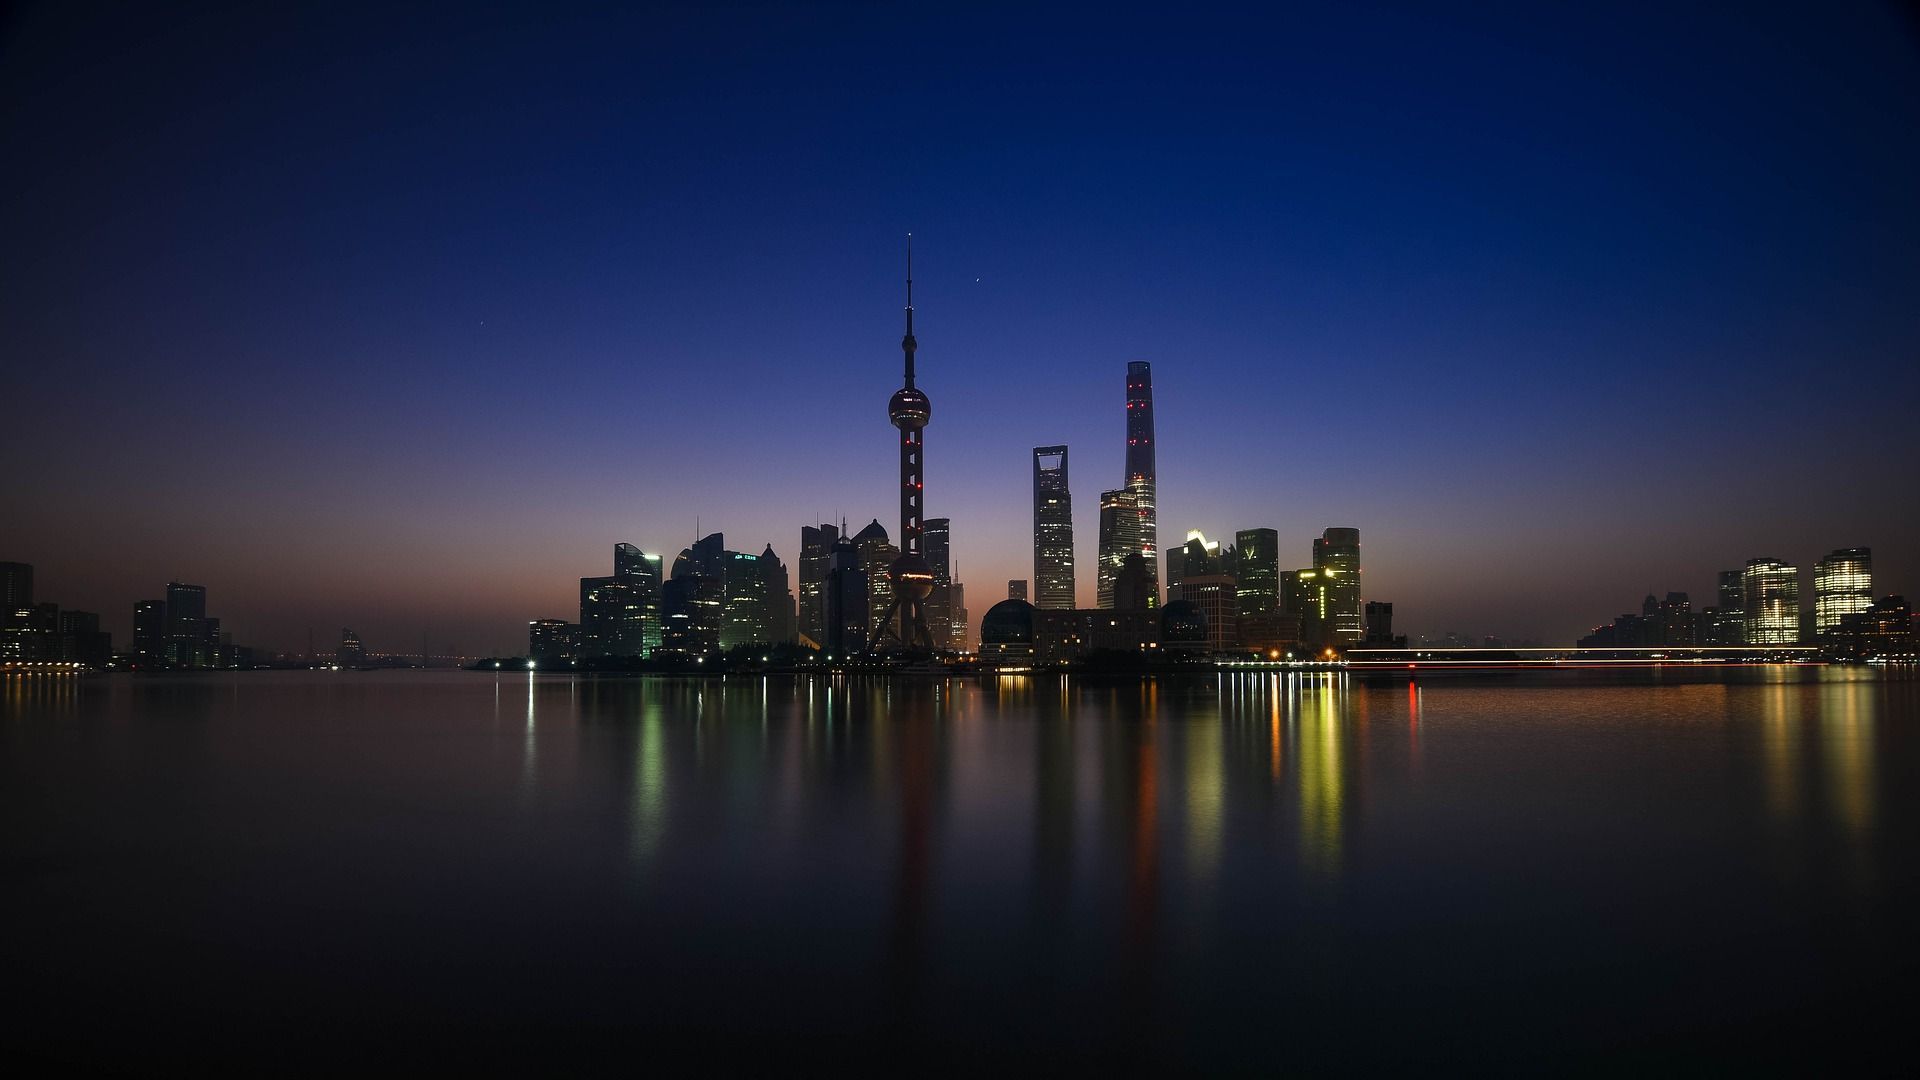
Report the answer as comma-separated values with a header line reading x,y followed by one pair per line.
x,y
400,321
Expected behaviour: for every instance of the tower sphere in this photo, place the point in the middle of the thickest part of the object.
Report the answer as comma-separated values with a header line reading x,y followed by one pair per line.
x,y
910,410
912,577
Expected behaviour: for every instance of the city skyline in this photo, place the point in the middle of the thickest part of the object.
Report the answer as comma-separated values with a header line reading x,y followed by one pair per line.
x,y
371,374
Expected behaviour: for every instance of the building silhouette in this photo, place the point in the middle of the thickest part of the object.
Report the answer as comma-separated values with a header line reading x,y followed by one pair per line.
x,y
816,550
1379,624
1016,590
1052,529
351,652
1723,622
846,610
1141,476
781,627
552,641
16,588
1842,587
1132,588
81,641
150,629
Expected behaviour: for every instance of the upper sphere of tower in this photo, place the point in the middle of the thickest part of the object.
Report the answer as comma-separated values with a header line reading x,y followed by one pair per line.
x,y
909,409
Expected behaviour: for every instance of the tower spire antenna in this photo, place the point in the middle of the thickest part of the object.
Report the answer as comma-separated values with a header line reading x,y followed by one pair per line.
x,y
907,344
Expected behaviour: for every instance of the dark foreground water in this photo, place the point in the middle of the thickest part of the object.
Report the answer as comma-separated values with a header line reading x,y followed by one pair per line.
x,y
1273,873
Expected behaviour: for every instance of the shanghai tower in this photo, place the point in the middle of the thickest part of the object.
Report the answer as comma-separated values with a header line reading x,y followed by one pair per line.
x,y
1140,473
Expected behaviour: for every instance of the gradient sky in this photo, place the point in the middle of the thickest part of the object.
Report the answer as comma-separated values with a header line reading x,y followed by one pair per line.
x,y
400,320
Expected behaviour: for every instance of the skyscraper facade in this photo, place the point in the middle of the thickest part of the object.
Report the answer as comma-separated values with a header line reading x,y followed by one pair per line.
x,y
1122,535
639,619
1052,529
876,555
1724,623
1140,466
779,598
844,601
16,587
936,542
1771,603
1842,586
150,628
191,637
602,601
1336,555
816,551
957,627
1257,570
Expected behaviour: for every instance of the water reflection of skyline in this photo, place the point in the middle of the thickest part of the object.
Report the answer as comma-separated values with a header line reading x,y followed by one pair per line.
x,y
948,847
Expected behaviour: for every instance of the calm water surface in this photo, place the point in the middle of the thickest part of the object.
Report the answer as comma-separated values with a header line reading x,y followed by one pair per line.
x,y
1253,872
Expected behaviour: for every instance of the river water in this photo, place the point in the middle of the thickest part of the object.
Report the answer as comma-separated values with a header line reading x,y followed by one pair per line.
x,y
1250,872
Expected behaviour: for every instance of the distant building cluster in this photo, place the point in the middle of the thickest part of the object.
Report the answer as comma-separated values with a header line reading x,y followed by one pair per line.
x,y
36,633
1760,604
172,633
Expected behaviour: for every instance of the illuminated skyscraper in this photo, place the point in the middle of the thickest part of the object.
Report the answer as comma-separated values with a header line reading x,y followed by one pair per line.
x,y
1198,557
1052,529
1336,555
638,633
937,544
1305,593
1122,531
876,555
1141,477
1257,570
957,629
1772,602
1842,586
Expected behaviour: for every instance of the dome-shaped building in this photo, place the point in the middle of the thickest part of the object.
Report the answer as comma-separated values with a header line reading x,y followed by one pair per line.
x,y
1183,627
1006,632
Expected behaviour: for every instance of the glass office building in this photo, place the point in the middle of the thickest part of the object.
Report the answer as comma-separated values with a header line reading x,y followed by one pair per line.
x,y
1771,602
1842,586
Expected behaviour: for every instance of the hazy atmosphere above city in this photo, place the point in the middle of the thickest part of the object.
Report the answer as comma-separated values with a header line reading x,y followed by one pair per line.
x,y
400,320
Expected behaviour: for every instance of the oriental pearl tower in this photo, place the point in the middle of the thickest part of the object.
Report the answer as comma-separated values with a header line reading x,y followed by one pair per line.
x,y
912,577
